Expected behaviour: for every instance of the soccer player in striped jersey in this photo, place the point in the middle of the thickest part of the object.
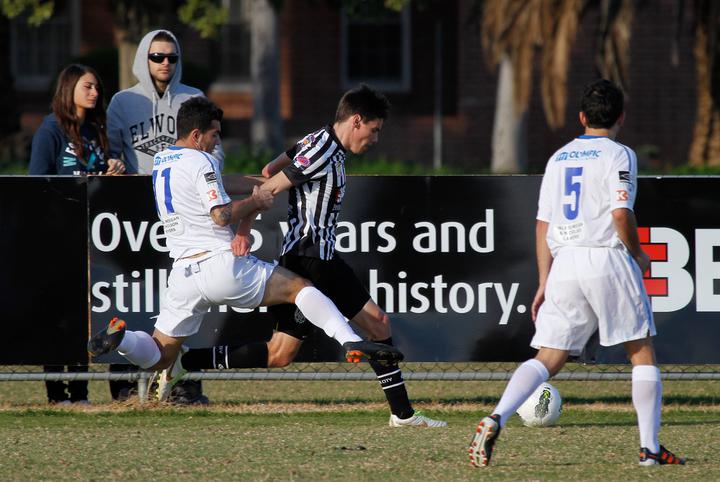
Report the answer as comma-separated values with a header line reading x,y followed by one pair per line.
x,y
196,213
313,171
590,267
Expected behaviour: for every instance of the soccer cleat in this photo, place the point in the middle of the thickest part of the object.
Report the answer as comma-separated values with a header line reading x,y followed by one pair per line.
x,y
371,351
417,420
188,392
108,339
167,378
665,457
481,446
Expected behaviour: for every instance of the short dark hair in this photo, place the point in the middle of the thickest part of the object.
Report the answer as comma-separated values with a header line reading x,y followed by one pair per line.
x,y
603,103
363,100
164,36
197,113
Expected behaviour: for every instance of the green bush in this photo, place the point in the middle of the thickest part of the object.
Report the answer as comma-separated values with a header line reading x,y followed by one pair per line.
x,y
246,160
249,161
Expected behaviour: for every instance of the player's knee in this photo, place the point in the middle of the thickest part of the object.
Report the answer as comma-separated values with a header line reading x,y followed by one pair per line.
x,y
296,285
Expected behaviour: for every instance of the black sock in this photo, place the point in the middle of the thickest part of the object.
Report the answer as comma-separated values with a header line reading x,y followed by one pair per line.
x,y
250,355
393,385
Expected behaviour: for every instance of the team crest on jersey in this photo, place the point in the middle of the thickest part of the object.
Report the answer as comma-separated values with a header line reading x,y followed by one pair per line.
x,y
303,161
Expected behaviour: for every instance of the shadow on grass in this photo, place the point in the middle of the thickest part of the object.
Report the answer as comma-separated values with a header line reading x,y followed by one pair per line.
x,y
632,422
690,400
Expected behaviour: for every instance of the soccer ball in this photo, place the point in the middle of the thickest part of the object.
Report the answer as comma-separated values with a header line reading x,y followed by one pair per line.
x,y
542,408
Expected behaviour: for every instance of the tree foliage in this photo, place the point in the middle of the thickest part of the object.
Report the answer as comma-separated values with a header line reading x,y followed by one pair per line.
x,y
38,11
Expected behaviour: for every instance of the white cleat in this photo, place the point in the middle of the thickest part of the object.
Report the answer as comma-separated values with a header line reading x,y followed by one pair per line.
x,y
483,441
417,420
167,378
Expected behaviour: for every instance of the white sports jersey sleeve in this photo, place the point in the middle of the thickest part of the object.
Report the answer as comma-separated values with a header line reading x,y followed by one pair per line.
x,y
187,185
584,182
623,179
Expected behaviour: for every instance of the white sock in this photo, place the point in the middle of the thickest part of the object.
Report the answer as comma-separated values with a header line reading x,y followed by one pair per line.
x,y
139,348
324,314
647,399
523,382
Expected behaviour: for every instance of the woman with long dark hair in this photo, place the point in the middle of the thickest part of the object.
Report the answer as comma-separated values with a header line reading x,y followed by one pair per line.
x,y
73,139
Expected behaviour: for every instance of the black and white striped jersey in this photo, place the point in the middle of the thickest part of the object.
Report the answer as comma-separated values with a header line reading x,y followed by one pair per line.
x,y
318,177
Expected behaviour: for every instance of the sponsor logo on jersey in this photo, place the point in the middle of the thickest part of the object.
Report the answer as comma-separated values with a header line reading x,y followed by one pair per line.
x,y
589,153
622,195
157,160
210,177
624,176
212,194
309,139
303,161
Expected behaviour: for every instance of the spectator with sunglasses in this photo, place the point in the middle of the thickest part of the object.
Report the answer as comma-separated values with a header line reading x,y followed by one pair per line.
x,y
142,121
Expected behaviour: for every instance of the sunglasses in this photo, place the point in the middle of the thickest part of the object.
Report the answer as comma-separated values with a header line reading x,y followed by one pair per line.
x,y
160,58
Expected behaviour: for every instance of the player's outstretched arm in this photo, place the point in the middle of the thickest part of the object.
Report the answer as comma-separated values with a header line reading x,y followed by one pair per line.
x,y
277,184
241,185
276,165
233,212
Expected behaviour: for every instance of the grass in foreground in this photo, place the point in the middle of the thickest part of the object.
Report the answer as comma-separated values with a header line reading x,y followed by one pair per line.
x,y
338,431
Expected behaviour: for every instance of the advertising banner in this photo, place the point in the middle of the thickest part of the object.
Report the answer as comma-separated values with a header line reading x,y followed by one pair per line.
x,y
451,260
44,270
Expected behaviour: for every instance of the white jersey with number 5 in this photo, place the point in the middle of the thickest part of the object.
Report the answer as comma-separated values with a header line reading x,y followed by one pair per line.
x,y
584,182
187,185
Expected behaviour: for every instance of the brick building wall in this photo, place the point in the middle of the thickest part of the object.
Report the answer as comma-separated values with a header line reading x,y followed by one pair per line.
x,y
660,107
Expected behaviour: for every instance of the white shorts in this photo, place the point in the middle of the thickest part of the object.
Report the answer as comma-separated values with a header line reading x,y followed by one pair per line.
x,y
223,279
589,289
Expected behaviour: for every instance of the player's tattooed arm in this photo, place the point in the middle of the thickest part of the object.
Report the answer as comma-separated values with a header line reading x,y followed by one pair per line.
x,y
234,212
222,215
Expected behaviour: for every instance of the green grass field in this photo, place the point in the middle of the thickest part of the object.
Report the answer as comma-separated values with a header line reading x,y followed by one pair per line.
x,y
271,430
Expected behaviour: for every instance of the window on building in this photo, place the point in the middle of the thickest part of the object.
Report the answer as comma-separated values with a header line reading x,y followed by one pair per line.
x,y
39,53
377,51
234,66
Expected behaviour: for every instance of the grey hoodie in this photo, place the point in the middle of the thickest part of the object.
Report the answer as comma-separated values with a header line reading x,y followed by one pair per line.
x,y
140,123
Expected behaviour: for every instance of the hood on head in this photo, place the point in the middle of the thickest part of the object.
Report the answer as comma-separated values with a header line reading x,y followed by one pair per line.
x,y
140,65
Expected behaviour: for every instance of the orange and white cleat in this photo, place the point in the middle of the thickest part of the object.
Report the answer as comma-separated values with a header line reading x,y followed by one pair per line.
x,y
664,457
355,351
482,443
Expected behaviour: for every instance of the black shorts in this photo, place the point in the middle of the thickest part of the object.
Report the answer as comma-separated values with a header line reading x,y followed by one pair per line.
x,y
334,278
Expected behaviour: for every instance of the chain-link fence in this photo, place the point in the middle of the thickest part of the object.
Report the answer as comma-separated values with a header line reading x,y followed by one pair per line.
x,y
345,371
435,371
